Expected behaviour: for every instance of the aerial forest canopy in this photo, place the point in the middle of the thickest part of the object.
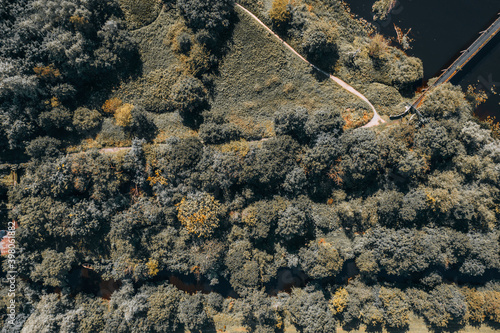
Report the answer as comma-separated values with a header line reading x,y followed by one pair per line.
x,y
171,167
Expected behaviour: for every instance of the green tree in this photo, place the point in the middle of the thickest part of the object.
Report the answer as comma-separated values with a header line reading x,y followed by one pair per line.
x,y
259,315
192,312
320,259
44,147
396,307
309,311
86,120
327,120
190,98
280,13
291,121
319,43
213,15
53,269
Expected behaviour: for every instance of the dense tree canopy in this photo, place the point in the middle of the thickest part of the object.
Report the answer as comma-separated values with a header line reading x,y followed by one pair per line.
x,y
132,219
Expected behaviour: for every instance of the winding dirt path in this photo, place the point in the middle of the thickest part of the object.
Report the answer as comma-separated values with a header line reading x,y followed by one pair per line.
x,y
376,119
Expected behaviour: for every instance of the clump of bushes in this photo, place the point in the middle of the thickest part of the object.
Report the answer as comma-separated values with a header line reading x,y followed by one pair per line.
x,y
382,8
319,44
86,120
190,97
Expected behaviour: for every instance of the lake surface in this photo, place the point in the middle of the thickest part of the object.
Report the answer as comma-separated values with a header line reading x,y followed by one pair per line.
x,y
440,30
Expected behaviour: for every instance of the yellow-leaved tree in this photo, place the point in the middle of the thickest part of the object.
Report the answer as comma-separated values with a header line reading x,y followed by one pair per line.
x,y
123,115
280,13
199,213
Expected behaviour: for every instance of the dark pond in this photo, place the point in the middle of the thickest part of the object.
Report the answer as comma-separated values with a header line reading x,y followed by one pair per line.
x,y
440,29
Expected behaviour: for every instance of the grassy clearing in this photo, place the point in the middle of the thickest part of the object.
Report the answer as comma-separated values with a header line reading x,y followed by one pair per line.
x,y
258,76
160,69
364,56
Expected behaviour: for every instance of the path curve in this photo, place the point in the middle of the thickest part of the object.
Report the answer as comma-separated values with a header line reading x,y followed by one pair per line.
x,y
376,119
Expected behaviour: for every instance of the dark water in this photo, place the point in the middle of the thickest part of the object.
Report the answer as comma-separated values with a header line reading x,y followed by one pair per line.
x,y
440,30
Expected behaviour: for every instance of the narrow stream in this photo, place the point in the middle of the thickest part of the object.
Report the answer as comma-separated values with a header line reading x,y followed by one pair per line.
x,y
440,30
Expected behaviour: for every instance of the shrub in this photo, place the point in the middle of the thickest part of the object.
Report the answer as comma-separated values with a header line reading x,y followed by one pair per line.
x,y
111,105
86,120
191,98
268,166
328,120
43,147
406,73
199,213
280,14
112,134
378,46
156,89
319,43
123,116
57,119
140,13
210,15
291,121
141,125
219,133
183,42
200,60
